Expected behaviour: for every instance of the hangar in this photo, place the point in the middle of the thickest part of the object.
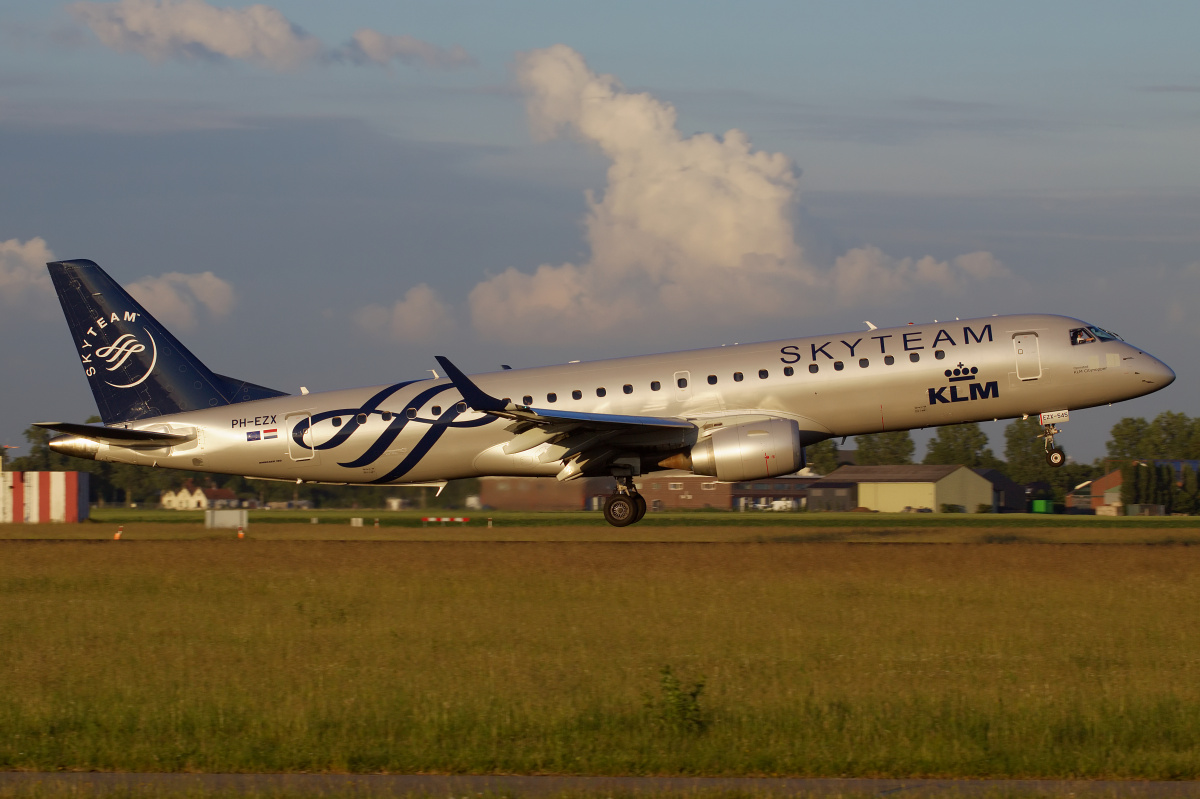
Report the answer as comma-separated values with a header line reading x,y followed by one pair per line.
x,y
914,487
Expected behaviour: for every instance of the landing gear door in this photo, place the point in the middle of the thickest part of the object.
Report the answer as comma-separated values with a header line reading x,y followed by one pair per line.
x,y
1029,358
300,436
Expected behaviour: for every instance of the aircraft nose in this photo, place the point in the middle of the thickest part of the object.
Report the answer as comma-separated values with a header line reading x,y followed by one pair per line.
x,y
1155,372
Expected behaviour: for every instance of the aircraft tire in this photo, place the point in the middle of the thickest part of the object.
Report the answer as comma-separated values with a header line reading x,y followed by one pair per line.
x,y
1056,457
641,507
620,510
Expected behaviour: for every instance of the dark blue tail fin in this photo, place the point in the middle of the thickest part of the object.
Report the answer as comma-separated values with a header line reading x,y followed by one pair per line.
x,y
135,367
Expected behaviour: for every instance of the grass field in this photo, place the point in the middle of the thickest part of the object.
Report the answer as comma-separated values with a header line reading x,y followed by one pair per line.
x,y
1019,660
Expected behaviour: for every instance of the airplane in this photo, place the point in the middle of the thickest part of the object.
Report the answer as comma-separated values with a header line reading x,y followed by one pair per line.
x,y
735,413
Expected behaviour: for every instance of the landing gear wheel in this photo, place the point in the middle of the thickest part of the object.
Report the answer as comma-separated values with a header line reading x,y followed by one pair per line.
x,y
1056,457
620,510
641,506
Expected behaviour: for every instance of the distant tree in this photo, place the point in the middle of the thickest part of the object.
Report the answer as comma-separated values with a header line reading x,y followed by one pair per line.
x,y
1189,492
822,457
1129,483
1127,440
964,444
1169,435
885,449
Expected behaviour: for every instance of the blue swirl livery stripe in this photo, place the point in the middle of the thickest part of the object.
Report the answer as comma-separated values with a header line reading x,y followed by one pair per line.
x,y
370,406
379,447
422,447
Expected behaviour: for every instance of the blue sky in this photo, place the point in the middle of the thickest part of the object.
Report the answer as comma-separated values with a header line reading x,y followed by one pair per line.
x,y
435,187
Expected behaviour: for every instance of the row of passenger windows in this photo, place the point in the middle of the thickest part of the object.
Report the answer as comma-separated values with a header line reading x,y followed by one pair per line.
x,y
655,385
738,377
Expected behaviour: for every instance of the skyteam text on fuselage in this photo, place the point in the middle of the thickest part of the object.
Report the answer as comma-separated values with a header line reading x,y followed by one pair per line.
x,y
743,412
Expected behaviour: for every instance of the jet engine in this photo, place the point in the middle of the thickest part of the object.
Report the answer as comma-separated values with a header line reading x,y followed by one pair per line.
x,y
749,451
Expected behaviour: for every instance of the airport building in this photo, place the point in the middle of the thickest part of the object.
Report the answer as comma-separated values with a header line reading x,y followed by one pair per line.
x,y
914,487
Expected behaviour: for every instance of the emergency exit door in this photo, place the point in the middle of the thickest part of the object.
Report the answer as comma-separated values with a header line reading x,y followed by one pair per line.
x,y
1029,358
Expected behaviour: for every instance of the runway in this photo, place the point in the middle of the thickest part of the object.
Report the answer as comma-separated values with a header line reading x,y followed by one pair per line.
x,y
100,783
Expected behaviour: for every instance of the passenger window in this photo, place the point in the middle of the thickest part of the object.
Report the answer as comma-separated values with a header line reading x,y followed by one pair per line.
x,y
526,400
600,392
362,418
461,407
914,356
864,363
576,394
386,416
888,360
436,410
337,421
411,413
712,380
838,366
628,389
551,397
737,377
655,385
762,374
681,382
812,367
939,354
788,371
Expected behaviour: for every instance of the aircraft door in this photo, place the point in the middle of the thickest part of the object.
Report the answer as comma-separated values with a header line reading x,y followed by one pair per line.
x,y
302,449
683,388
1029,358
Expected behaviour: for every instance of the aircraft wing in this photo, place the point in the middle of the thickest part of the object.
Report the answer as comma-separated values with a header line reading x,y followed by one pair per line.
x,y
585,442
119,436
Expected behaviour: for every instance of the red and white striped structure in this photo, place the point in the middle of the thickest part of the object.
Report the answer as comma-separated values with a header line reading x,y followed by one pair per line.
x,y
43,497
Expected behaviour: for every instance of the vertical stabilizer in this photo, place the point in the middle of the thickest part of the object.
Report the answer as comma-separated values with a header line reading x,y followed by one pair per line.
x,y
135,367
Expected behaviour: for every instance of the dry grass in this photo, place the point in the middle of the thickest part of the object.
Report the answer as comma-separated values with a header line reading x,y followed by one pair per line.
x,y
818,659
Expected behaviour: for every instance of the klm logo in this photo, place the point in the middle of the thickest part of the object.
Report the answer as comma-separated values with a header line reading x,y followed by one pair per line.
x,y
957,392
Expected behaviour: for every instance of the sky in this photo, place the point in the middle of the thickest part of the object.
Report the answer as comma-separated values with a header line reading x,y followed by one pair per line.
x,y
329,195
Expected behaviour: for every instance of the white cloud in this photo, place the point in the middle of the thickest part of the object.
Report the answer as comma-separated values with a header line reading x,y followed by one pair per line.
x,y
370,46
420,316
23,272
688,229
193,29
174,297
183,29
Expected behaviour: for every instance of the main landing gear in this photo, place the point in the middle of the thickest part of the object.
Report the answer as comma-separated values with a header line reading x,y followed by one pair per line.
x,y
626,506
1054,455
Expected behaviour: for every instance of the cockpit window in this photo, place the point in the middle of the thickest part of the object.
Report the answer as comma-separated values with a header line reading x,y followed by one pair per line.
x,y
1091,333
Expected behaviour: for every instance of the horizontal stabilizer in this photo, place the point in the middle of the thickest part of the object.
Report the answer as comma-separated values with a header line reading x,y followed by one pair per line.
x,y
119,436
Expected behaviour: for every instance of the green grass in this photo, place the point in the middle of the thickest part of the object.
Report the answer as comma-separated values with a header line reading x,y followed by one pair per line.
x,y
1010,660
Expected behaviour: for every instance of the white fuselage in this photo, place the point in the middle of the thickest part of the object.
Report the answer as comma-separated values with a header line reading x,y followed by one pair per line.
x,y
850,384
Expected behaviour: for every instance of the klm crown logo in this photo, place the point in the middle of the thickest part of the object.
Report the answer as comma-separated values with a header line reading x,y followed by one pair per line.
x,y
975,390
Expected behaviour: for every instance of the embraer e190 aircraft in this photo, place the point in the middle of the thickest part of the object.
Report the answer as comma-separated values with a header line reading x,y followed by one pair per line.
x,y
736,413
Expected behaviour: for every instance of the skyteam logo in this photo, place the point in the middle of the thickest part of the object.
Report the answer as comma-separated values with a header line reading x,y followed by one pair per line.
x,y
113,357
957,392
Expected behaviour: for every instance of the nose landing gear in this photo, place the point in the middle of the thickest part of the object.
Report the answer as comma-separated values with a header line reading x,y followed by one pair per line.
x,y
626,506
1054,455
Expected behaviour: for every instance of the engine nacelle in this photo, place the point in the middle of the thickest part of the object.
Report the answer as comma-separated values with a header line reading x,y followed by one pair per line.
x,y
750,451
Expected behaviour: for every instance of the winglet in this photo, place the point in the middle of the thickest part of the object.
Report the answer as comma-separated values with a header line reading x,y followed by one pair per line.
x,y
473,394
